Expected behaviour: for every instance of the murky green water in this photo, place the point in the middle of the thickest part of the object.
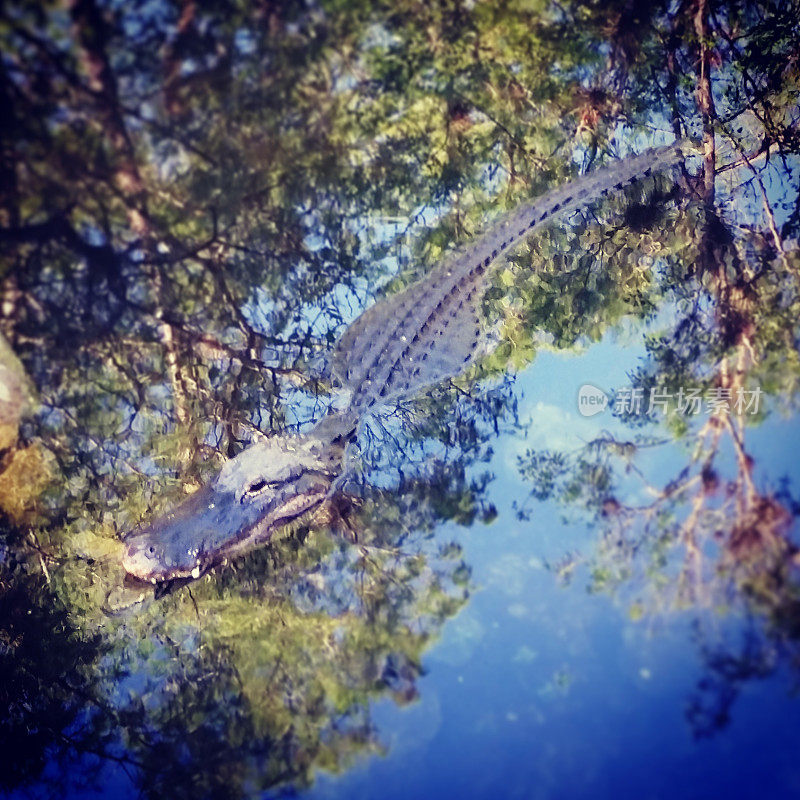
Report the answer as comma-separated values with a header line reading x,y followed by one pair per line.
x,y
572,571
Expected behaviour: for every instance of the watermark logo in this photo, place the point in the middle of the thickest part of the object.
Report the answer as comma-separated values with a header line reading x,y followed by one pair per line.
x,y
591,400
687,401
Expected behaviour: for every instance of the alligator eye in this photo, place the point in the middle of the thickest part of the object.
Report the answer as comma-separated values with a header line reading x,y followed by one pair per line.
x,y
259,485
256,486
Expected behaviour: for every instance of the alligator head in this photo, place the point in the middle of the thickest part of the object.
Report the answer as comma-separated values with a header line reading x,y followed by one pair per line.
x,y
270,484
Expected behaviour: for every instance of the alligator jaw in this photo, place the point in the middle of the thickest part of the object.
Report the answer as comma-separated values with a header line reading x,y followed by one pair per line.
x,y
209,526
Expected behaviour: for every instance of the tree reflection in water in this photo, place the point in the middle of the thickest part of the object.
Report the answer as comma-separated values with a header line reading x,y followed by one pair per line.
x,y
710,536
194,202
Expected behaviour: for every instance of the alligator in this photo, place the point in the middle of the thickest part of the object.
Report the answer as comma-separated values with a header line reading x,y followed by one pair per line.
x,y
406,342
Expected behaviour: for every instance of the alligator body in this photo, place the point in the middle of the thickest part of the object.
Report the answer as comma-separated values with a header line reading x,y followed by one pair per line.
x,y
418,337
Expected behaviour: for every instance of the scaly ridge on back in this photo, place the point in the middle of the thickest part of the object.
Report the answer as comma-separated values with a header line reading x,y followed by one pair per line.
x,y
431,329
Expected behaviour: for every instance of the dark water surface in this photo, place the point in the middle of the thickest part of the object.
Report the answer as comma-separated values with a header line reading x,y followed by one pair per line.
x,y
537,689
